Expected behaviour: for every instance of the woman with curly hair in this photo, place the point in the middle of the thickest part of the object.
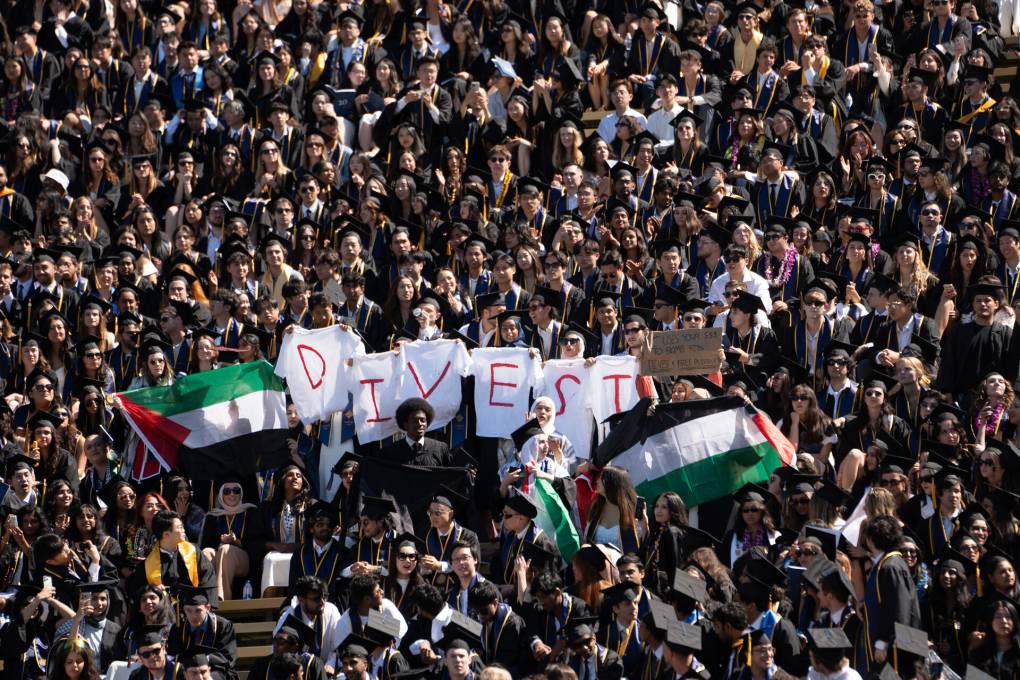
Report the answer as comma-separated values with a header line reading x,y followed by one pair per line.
x,y
989,417
138,539
58,505
806,426
86,526
744,148
283,516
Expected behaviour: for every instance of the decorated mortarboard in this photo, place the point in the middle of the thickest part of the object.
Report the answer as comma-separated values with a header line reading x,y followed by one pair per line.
x,y
910,640
377,508
462,629
827,539
520,503
689,586
382,628
829,638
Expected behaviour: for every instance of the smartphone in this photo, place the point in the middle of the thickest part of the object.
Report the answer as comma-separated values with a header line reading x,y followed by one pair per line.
x,y
641,507
47,581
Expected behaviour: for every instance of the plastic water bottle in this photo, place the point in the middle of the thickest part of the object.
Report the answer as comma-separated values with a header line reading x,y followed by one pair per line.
x,y
246,594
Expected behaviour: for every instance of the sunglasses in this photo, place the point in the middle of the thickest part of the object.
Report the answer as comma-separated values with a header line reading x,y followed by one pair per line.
x,y
149,653
231,490
731,259
569,341
931,213
836,362
773,237
45,388
873,393
632,331
799,397
746,511
815,303
93,355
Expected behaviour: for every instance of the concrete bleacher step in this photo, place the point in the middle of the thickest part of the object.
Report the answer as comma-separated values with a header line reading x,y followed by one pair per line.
x,y
260,609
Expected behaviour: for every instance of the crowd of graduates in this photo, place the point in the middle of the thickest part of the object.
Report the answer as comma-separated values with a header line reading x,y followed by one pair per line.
x,y
831,185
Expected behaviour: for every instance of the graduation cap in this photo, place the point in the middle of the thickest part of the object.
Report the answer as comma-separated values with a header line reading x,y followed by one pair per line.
x,y
408,537
464,630
569,74
381,628
660,617
488,300
739,204
683,638
695,537
764,571
350,14
880,380
573,328
357,645
818,568
377,508
525,432
911,640
520,503
686,114
151,635
918,75
685,199
828,491
271,238
704,383
827,539
774,148
620,592
579,628
921,348
933,163
670,295
638,315
43,418
954,559
621,168
192,596
605,298
833,638
689,586
747,302
798,373
539,556
504,68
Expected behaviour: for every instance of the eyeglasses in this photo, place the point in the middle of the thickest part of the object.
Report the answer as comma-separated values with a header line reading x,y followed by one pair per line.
x,y
801,501
164,319
93,355
509,515
905,126
888,482
407,557
936,3
807,552
306,189
969,548
691,318
731,294
873,393
149,653
231,490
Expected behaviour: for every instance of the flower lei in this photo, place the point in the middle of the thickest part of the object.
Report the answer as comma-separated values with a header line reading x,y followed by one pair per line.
x,y
784,272
978,186
993,421
752,539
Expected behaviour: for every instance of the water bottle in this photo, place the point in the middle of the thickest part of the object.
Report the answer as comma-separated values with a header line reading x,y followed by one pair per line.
x,y
246,594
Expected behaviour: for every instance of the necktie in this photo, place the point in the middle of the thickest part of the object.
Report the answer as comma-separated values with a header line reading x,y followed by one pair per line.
x,y
417,448
772,193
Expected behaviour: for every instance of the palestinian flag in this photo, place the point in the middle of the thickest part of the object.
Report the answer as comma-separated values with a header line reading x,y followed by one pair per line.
x,y
702,450
554,519
230,421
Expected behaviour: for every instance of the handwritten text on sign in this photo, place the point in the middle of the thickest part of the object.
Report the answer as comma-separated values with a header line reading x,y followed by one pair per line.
x,y
694,351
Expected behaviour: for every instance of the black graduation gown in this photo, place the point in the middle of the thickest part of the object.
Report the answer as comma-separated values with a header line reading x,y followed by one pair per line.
x,y
217,633
970,352
311,665
505,640
608,665
174,671
662,554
